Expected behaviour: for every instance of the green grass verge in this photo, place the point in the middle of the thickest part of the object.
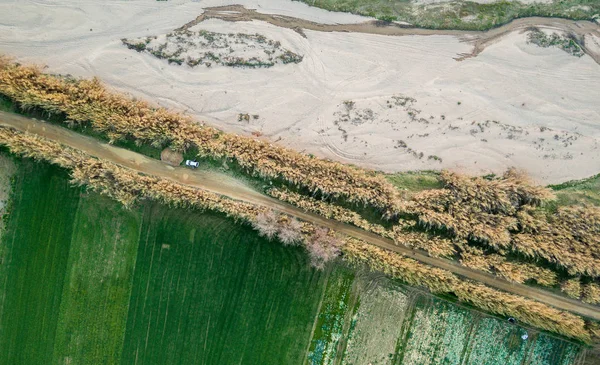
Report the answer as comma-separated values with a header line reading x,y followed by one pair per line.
x,y
460,15
416,180
578,191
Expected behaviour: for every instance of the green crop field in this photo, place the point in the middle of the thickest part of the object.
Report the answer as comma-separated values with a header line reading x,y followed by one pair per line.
x,y
88,282
68,261
210,292
35,261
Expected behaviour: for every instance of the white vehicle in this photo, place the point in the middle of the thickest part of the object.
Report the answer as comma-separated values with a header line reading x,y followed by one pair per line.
x,y
192,164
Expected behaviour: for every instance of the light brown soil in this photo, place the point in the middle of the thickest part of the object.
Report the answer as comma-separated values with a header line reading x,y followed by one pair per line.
x,y
171,157
227,186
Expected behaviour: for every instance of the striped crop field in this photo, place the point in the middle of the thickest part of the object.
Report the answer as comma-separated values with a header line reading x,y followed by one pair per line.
x,y
85,281
210,292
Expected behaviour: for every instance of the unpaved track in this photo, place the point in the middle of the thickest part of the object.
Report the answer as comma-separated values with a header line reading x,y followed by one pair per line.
x,y
229,187
480,39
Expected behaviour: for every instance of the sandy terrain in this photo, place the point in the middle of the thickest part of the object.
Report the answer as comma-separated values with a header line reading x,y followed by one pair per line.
x,y
515,104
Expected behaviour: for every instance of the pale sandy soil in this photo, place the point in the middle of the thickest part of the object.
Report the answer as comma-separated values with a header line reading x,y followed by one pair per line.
x,y
541,104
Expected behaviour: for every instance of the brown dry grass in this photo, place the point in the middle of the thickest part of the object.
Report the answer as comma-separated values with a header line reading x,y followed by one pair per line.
x,y
504,214
501,213
572,288
88,101
517,272
491,300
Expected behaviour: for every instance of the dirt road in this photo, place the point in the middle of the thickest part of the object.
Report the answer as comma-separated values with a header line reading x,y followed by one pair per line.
x,y
229,187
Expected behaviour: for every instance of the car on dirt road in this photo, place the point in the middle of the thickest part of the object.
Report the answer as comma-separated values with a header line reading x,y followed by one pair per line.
x,y
192,164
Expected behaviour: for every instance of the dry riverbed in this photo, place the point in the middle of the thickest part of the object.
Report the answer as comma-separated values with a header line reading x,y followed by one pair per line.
x,y
389,102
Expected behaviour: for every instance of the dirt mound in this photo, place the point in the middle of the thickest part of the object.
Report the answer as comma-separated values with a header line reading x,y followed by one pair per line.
x,y
171,157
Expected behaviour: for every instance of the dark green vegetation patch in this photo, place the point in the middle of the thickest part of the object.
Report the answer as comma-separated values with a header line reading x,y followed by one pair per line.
x,y
69,262
463,15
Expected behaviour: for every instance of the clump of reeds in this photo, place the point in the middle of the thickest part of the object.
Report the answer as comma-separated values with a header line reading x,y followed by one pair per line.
x,y
504,214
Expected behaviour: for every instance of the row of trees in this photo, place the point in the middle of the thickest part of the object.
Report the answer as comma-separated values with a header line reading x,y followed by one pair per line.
x,y
88,101
479,295
127,186
322,244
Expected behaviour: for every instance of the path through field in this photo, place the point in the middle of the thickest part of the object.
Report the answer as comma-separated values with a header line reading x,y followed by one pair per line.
x,y
227,186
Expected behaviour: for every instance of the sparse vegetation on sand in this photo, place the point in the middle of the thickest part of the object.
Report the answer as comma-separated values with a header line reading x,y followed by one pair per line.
x,y
202,47
465,15
568,44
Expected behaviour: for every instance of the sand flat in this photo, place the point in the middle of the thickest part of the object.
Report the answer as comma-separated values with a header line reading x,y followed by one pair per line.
x,y
515,104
